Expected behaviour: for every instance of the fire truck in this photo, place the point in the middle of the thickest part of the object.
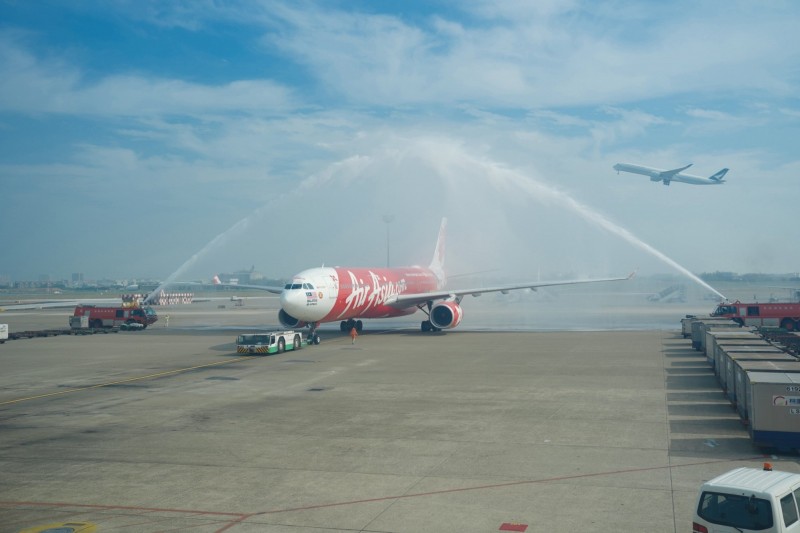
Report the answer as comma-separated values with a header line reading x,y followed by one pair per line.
x,y
107,317
784,315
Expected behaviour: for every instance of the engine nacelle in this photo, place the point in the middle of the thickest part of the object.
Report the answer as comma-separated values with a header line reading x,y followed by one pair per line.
x,y
446,315
288,321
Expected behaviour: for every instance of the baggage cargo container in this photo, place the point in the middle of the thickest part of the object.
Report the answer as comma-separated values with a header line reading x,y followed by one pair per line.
x,y
742,368
773,406
686,326
729,346
730,360
700,327
714,338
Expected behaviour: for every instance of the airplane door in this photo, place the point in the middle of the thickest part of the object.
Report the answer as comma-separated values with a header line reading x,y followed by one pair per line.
x,y
333,289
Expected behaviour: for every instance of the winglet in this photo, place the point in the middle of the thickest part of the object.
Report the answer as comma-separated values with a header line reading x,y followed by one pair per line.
x,y
437,263
632,274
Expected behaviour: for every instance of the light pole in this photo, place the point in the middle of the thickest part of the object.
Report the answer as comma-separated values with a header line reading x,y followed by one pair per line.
x,y
387,219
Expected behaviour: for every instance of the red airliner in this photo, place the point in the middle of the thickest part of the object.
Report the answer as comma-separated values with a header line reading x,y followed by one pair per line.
x,y
347,295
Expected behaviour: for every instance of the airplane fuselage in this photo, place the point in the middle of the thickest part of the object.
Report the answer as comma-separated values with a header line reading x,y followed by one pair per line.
x,y
329,294
667,176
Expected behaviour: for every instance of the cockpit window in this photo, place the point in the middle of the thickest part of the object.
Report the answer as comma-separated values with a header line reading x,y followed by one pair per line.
x,y
293,286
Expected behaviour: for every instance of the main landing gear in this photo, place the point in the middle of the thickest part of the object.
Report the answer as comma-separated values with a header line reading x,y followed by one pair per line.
x,y
346,325
427,325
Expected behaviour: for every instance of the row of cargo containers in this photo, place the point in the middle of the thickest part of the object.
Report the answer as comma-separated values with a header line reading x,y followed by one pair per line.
x,y
761,380
789,340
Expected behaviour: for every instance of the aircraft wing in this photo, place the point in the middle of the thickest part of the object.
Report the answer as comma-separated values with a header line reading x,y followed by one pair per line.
x,y
407,300
273,290
217,283
669,174
656,174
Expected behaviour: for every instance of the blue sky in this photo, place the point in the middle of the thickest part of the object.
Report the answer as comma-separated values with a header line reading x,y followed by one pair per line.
x,y
135,133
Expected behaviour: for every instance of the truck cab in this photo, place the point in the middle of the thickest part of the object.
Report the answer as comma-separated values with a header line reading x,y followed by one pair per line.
x,y
749,499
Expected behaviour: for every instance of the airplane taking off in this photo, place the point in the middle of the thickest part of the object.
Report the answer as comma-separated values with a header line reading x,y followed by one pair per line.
x,y
347,295
668,176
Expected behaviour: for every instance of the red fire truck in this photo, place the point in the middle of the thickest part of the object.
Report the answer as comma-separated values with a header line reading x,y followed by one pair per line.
x,y
106,317
784,315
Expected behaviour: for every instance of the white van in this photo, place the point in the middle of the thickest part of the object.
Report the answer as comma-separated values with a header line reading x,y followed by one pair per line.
x,y
749,499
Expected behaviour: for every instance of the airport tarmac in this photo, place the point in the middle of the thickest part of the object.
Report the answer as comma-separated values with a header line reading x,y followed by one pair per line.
x,y
461,431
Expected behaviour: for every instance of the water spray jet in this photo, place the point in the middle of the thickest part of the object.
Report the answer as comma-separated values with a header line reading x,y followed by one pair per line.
x,y
538,191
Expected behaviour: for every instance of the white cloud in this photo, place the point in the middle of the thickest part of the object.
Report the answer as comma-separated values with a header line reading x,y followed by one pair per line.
x,y
413,118
548,57
793,113
631,123
29,84
710,114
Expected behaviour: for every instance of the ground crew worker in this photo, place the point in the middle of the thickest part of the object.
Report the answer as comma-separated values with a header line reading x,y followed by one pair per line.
x,y
353,334
166,321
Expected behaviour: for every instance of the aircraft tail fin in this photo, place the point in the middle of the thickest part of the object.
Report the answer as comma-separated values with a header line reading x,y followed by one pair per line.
x,y
437,263
719,176
216,280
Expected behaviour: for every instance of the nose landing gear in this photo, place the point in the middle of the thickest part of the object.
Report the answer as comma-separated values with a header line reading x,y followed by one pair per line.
x,y
313,337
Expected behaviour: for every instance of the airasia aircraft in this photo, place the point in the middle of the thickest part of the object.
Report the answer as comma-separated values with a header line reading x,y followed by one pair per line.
x,y
347,295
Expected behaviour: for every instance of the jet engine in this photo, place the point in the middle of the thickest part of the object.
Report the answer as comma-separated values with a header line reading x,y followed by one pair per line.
x,y
289,321
446,315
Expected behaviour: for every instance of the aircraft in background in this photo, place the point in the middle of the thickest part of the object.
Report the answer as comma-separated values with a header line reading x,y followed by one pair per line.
x,y
347,295
668,176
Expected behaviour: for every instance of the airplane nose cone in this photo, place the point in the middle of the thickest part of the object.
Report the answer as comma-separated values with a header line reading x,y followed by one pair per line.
x,y
296,303
290,302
